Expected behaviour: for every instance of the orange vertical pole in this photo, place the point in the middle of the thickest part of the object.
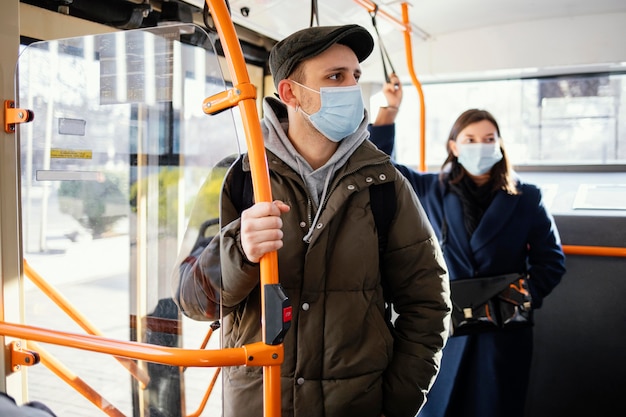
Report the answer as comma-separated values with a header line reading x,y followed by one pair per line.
x,y
418,85
260,176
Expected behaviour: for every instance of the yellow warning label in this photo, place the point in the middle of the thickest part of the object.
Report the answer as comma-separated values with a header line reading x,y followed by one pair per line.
x,y
70,153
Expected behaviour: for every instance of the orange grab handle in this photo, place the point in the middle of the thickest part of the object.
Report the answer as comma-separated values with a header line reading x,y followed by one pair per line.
x,y
260,177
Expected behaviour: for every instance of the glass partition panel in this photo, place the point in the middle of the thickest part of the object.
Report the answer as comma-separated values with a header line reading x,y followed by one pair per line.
x,y
112,165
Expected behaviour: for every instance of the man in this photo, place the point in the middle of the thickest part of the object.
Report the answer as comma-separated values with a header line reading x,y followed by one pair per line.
x,y
342,356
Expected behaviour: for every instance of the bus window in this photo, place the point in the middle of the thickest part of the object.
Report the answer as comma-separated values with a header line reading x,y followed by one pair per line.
x,y
552,121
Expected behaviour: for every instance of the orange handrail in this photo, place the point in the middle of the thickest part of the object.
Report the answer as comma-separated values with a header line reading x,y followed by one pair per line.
x,y
409,59
402,25
405,26
74,381
260,177
140,374
206,395
255,354
214,326
594,250
371,7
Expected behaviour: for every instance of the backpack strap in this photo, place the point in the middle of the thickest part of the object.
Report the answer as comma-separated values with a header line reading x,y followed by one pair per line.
x,y
382,199
383,203
241,192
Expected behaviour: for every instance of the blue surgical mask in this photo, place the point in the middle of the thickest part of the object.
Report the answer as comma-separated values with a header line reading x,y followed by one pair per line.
x,y
478,158
340,113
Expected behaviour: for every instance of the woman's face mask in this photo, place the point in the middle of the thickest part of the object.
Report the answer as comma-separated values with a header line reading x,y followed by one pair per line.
x,y
479,158
340,113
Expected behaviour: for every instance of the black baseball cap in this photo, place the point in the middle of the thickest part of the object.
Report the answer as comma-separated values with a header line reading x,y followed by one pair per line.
x,y
309,42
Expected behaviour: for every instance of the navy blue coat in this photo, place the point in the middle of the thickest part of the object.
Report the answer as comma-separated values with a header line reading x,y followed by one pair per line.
x,y
486,375
9,408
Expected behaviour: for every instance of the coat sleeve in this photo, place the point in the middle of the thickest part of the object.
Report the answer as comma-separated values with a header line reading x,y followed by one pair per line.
x,y
215,279
383,137
415,271
545,254
206,292
198,292
8,407
239,275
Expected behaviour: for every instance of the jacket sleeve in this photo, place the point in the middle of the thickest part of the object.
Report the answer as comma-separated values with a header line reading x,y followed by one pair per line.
x,y
214,279
545,255
416,273
220,278
198,293
239,275
383,136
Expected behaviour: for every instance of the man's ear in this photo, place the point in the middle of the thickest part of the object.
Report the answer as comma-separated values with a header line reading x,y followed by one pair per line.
x,y
286,95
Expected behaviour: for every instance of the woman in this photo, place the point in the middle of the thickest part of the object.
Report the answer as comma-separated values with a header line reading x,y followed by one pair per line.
x,y
489,222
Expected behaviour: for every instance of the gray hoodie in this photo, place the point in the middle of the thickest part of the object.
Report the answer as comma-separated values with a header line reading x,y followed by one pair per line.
x,y
274,126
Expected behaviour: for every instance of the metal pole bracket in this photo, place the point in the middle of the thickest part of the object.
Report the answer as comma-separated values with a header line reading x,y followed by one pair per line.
x,y
13,116
229,98
21,357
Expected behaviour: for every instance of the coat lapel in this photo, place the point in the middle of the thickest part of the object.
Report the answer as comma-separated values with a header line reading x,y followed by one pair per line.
x,y
456,235
498,214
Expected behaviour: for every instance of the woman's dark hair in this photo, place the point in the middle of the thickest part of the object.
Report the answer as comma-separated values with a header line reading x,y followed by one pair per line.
x,y
501,172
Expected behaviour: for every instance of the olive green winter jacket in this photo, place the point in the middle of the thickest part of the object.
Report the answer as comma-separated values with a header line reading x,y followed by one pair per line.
x,y
342,358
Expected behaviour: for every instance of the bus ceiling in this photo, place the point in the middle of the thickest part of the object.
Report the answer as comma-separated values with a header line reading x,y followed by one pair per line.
x,y
447,37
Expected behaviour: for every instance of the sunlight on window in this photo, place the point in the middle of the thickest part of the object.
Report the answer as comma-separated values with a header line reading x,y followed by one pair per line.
x,y
567,120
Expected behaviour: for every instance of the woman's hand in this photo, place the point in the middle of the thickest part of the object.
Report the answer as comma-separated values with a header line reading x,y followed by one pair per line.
x,y
393,94
393,91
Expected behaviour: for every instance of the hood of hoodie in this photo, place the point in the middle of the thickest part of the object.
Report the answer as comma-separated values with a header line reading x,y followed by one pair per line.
x,y
275,124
